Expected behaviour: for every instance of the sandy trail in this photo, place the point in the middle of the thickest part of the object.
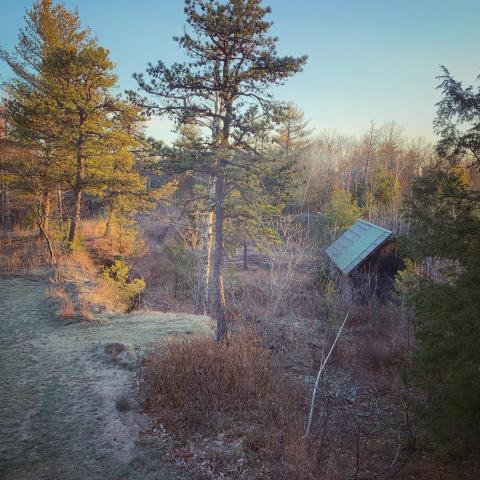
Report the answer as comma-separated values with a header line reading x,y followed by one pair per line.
x,y
58,418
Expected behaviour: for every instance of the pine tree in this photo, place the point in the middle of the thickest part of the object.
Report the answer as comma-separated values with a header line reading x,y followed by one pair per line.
x,y
71,74
457,121
444,215
233,62
33,128
293,136
445,225
32,131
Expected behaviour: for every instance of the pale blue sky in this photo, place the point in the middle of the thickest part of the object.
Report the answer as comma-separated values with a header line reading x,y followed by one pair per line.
x,y
368,59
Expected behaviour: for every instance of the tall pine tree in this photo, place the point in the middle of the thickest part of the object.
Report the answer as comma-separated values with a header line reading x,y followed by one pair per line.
x,y
233,63
72,77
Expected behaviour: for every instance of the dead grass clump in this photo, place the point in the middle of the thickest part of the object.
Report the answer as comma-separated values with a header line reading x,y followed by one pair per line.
x,y
57,293
368,352
236,389
83,261
86,288
199,377
106,296
372,344
85,311
67,309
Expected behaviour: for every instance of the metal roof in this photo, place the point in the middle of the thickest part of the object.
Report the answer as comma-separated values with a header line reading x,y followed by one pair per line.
x,y
356,244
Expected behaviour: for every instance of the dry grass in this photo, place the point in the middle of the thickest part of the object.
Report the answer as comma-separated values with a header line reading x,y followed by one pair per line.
x,y
198,385
92,228
85,311
78,279
67,309
106,296
359,419
57,293
22,251
102,248
199,376
375,346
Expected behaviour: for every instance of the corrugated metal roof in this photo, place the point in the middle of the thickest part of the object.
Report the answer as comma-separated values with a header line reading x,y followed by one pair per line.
x,y
356,244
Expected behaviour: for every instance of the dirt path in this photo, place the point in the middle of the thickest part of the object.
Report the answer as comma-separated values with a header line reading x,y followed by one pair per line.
x,y
58,418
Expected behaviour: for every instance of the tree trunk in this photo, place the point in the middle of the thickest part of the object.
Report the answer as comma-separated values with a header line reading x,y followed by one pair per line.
x,y
77,194
60,205
206,239
204,265
245,255
45,211
217,260
120,234
75,224
109,223
208,263
47,239
5,209
205,259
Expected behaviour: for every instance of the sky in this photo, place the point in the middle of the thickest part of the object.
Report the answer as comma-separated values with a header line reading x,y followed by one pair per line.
x,y
369,60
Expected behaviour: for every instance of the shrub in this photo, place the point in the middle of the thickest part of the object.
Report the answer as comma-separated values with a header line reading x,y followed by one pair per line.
x,y
446,361
117,275
235,388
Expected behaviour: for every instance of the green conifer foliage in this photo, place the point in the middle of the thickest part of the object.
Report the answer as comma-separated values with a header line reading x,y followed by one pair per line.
x,y
233,62
64,80
444,217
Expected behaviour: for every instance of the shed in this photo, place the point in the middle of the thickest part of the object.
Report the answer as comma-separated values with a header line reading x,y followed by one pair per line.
x,y
365,246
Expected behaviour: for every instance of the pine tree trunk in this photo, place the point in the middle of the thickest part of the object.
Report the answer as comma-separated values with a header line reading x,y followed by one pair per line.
x,y
217,260
75,224
77,194
245,255
204,266
108,224
120,234
60,205
205,258
45,235
208,269
46,211
4,207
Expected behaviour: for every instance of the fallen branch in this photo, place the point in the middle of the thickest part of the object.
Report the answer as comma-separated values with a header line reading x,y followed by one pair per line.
x,y
319,375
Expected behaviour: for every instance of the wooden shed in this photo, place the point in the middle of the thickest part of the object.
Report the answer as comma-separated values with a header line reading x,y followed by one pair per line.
x,y
366,248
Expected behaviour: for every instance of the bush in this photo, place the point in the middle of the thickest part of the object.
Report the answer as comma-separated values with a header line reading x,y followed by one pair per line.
x,y
117,275
198,385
